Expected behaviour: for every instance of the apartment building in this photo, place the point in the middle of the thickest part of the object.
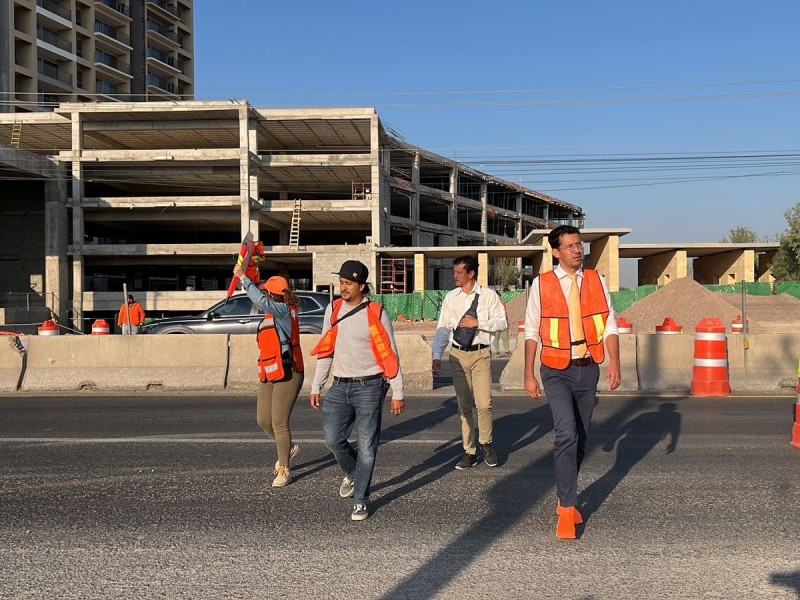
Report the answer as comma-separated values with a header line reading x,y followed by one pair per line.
x,y
158,195
54,51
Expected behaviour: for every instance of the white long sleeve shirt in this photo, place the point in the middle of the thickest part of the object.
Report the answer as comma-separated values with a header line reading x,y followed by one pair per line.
x,y
533,310
491,317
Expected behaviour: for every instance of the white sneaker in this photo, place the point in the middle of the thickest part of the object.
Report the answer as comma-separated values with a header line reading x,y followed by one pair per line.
x,y
348,487
360,512
283,478
293,451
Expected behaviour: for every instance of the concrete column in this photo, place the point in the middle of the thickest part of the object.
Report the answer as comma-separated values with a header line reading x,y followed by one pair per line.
x,y
56,233
543,262
663,268
252,143
604,257
415,236
420,272
454,182
379,201
484,215
483,269
77,222
519,223
765,260
248,179
725,268
6,51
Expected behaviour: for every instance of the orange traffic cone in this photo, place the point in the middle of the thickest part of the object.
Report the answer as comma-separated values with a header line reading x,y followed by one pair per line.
x,y
796,427
669,327
623,326
49,328
100,327
710,374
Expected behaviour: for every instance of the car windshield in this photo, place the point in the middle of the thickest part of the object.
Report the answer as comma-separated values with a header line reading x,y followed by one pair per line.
x,y
239,305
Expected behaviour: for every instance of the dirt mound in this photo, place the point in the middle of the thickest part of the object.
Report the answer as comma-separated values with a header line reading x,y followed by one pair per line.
x,y
684,300
769,314
516,313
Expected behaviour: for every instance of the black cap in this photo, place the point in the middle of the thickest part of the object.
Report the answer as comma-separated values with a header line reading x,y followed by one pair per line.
x,y
354,271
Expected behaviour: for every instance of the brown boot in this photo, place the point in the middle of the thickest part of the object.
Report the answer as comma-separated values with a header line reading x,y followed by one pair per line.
x,y
578,517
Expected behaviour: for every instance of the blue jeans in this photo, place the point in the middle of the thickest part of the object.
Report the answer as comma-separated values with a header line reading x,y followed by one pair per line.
x,y
360,403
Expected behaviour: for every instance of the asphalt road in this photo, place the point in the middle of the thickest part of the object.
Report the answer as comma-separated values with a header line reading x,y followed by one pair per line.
x,y
169,496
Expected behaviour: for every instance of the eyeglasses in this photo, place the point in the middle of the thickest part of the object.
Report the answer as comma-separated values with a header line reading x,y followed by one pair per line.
x,y
572,247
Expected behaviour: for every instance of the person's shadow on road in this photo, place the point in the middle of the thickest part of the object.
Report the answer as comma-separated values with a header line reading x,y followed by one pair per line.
x,y
634,440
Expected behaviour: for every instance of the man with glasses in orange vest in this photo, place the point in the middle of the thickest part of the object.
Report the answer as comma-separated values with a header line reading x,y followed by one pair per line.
x,y
569,313
357,345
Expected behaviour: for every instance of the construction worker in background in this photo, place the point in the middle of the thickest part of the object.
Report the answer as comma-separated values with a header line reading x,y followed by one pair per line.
x,y
502,335
357,345
132,311
470,317
280,365
569,313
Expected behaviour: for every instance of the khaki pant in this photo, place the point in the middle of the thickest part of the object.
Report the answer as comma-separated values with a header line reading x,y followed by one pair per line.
x,y
275,404
472,378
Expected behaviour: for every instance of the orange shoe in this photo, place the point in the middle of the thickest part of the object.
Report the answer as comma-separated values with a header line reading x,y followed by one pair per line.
x,y
566,525
578,517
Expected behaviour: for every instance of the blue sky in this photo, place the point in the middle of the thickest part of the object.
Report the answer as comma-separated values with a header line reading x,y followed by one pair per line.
x,y
594,86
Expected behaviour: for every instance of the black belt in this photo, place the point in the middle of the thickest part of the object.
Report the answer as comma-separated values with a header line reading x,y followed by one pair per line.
x,y
357,379
472,348
581,362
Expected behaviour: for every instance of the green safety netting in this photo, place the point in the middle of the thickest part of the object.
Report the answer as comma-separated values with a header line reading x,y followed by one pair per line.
x,y
422,306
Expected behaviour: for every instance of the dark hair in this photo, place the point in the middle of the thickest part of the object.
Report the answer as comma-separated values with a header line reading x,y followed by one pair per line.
x,y
554,237
470,263
130,298
367,291
289,298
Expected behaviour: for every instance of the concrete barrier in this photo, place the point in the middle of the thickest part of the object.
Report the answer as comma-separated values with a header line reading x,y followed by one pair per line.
x,y
415,360
513,376
119,363
12,363
769,362
665,363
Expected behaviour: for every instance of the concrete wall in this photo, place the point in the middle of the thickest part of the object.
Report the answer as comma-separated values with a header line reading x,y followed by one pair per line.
x,y
329,262
415,361
664,268
115,362
769,362
11,365
725,268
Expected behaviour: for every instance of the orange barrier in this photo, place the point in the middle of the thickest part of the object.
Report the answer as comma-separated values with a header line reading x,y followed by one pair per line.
x,y
49,328
710,374
100,327
623,326
738,325
796,427
669,327
521,327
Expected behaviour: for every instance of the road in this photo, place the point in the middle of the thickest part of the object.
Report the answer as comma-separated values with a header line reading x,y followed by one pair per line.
x,y
169,496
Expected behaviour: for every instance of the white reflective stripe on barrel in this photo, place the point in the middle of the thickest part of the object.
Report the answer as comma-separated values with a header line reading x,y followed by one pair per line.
x,y
706,336
710,362
667,332
624,329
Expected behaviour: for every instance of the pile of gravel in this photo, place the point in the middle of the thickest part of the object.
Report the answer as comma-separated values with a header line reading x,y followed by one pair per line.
x,y
684,300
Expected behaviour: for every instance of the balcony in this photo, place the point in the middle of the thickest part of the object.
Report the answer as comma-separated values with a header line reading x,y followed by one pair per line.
x,y
162,31
168,7
162,84
111,32
55,8
51,37
51,75
109,60
106,87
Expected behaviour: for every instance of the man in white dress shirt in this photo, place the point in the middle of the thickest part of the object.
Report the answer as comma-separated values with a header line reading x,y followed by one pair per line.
x,y
470,314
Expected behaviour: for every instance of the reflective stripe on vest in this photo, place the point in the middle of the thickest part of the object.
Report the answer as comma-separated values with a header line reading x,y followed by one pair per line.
x,y
271,349
554,328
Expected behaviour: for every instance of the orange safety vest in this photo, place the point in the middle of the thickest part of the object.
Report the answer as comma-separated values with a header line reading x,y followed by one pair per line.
x,y
380,341
270,359
554,327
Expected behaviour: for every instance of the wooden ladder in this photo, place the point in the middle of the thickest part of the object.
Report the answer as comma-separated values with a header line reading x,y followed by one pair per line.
x,y
294,232
16,135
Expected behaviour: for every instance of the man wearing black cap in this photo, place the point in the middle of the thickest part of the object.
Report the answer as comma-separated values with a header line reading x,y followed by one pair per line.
x,y
357,345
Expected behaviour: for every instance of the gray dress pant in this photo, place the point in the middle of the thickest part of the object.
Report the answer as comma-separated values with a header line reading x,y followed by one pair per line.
x,y
572,395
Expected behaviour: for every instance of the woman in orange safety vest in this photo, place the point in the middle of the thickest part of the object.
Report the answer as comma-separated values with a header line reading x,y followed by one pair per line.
x,y
280,365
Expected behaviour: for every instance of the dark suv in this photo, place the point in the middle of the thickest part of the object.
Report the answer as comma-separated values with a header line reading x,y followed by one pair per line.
x,y
240,315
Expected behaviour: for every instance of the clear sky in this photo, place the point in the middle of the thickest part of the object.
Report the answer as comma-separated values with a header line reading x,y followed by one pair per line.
x,y
678,119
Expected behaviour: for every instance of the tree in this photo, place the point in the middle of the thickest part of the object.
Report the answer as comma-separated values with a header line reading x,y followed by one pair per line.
x,y
786,266
503,272
740,235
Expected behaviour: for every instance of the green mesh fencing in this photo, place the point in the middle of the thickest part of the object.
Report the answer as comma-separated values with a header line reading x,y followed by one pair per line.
x,y
624,299
754,288
422,306
788,287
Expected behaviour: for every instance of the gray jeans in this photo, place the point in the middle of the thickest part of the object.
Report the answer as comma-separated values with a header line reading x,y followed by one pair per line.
x,y
130,329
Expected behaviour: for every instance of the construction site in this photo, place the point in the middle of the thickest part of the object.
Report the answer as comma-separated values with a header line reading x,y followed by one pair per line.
x,y
157,196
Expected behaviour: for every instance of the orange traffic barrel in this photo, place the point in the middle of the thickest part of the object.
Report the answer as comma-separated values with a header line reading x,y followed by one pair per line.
x,y
623,326
49,328
796,427
521,327
710,374
738,325
669,327
100,327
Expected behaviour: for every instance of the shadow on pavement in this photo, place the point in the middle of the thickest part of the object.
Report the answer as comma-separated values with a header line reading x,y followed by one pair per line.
x,y
787,580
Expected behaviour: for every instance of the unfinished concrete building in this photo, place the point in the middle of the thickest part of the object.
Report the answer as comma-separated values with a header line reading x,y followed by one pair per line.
x,y
159,195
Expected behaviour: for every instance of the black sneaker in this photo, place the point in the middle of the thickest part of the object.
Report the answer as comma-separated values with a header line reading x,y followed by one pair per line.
x,y
467,461
489,455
